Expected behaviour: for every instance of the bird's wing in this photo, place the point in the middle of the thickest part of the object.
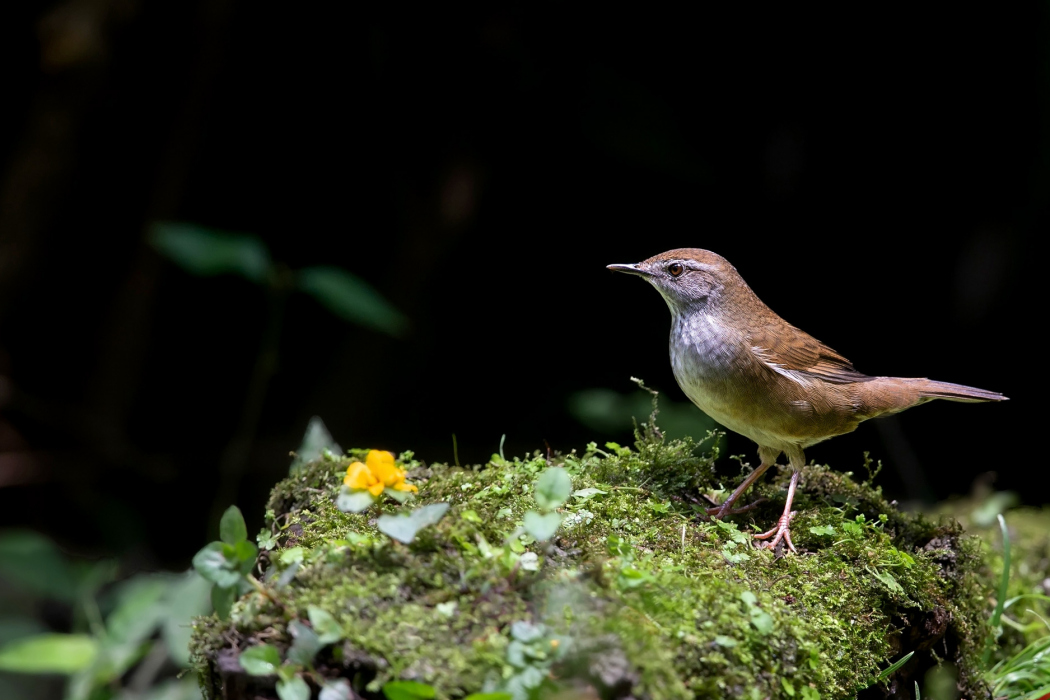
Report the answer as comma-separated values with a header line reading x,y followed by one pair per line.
x,y
801,357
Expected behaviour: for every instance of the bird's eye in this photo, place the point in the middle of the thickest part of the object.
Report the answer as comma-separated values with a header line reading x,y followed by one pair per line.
x,y
675,269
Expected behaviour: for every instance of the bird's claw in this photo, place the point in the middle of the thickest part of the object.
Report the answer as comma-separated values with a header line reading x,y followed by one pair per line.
x,y
719,512
779,531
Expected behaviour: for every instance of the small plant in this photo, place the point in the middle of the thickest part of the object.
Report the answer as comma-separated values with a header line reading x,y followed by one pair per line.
x,y
553,489
307,641
126,636
228,562
532,652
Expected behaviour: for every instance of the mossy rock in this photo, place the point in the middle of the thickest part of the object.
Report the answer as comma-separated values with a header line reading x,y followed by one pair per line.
x,y
636,595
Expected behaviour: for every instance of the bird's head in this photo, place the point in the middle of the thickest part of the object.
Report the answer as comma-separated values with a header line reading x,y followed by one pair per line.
x,y
687,278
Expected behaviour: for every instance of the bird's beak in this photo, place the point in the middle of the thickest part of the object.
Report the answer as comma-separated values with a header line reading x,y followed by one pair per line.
x,y
630,269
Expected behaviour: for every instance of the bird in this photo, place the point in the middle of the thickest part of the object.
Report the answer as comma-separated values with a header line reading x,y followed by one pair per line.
x,y
761,377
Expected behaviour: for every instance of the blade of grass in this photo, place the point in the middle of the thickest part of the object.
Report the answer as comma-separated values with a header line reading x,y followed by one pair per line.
x,y
1000,604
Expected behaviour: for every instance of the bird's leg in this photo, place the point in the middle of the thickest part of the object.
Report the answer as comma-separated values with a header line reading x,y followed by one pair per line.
x,y
782,529
769,458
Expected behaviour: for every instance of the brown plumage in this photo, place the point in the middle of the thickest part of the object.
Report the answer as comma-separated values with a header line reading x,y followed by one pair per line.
x,y
758,375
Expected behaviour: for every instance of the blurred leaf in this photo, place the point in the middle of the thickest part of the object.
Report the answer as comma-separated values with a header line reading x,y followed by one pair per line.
x,y
541,527
336,690
33,562
610,412
489,696
49,653
353,501
139,609
305,643
351,298
212,563
12,628
245,553
171,689
260,660
996,503
403,528
407,690
327,627
205,252
295,688
316,440
188,596
553,488
222,600
232,528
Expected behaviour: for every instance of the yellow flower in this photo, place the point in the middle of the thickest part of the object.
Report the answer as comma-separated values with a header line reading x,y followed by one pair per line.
x,y
376,473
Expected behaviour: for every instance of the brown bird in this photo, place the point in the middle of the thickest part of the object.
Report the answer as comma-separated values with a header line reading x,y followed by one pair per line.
x,y
759,376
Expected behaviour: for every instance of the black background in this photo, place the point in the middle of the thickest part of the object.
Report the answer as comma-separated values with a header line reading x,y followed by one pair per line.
x,y
880,178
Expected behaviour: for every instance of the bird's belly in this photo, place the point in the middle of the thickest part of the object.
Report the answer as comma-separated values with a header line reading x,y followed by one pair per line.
x,y
749,403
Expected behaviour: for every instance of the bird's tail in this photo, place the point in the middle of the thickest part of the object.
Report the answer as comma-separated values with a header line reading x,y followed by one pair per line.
x,y
885,395
929,389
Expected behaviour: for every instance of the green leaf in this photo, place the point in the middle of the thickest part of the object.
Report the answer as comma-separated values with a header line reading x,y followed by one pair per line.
x,y
327,627
205,252
294,688
49,653
553,488
139,609
246,553
336,690
351,298
305,643
761,620
887,579
188,596
222,599
232,528
260,660
526,632
34,563
211,563
399,496
893,667
541,527
407,690
266,540
735,534
353,501
823,530
292,555
315,442
584,494
403,528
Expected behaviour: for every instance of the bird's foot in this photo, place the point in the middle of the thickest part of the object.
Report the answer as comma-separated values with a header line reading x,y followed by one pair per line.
x,y
719,512
780,531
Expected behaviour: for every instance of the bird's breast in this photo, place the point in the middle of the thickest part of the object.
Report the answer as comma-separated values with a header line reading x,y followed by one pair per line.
x,y
716,369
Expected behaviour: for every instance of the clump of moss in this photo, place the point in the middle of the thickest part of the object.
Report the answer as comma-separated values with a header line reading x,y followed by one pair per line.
x,y
638,594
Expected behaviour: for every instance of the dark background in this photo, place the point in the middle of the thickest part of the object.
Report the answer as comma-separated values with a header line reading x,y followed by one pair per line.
x,y
880,178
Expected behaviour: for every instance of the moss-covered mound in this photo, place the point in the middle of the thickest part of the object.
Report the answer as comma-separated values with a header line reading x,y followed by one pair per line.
x,y
637,594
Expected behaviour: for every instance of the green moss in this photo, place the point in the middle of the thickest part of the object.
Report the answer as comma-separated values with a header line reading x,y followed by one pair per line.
x,y
638,592
1029,588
